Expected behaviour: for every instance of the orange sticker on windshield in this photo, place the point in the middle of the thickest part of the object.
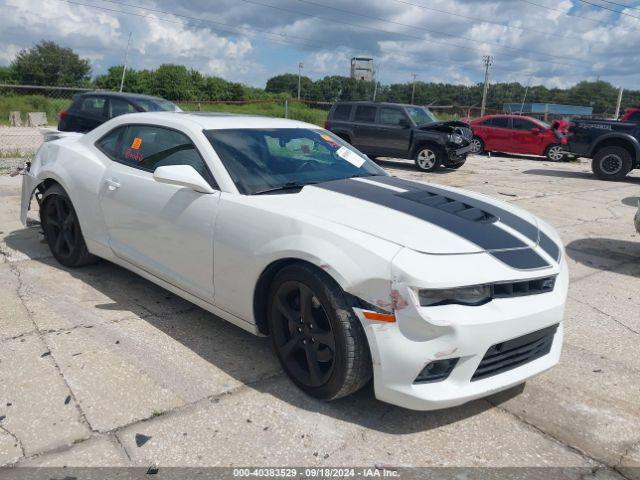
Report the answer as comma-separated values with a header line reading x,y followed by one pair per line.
x,y
137,143
328,139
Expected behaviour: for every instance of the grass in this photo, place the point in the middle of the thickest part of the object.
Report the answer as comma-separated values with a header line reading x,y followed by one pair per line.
x,y
32,103
297,111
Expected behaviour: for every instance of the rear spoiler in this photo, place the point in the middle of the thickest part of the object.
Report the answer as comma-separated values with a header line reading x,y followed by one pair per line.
x,y
50,134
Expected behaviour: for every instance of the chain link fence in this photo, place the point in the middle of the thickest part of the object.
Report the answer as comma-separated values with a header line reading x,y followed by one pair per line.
x,y
26,109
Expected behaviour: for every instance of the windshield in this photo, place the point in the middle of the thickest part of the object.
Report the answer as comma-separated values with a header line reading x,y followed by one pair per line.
x,y
421,115
261,160
157,105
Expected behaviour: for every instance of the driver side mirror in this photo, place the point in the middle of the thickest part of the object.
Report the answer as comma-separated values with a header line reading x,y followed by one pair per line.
x,y
404,123
535,130
183,176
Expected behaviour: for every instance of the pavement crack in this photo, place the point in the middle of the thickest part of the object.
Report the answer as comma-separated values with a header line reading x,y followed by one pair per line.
x,y
17,440
549,436
119,442
608,315
20,292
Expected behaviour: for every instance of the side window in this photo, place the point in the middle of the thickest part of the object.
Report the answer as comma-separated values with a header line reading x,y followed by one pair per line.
x,y
109,143
521,124
391,116
147,148
634,117
365,114
499,122
93,106
342,112
119,107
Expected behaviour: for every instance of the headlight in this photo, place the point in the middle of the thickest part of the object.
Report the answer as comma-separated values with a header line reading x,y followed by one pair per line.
x,y
455,138
475,295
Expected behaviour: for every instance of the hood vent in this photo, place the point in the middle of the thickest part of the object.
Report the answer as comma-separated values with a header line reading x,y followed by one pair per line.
x,y
449,205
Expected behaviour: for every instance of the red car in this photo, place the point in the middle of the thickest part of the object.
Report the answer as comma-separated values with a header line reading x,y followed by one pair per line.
x,y
631,115
518,134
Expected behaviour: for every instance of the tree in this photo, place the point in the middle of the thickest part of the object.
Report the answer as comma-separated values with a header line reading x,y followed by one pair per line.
x,y
47,63
7,75
288,83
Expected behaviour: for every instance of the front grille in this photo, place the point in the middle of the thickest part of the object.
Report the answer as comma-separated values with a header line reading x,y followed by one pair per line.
x,y
523,288
514,353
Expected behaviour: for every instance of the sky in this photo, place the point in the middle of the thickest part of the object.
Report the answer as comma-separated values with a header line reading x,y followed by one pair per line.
x,y
556,43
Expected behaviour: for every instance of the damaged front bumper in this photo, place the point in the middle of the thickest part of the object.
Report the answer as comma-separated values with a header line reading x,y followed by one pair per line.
x,y
423,336
29,184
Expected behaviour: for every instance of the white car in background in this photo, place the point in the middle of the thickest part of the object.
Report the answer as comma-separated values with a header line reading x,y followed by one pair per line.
x,y
283,229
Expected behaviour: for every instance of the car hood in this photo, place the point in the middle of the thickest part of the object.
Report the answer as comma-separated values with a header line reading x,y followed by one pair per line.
x,y
426,218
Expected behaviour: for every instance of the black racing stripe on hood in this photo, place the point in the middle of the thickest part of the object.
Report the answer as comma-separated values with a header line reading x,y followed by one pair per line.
x,y
487,235
508,218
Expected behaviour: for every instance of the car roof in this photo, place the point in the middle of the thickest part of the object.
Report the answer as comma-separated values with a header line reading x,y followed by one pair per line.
x,y
217,120
108,93
383,104
506,115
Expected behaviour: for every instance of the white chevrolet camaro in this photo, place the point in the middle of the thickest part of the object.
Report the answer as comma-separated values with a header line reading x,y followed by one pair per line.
x,y
280,227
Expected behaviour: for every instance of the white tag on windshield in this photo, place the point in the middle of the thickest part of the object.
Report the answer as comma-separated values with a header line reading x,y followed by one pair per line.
x,y
352,157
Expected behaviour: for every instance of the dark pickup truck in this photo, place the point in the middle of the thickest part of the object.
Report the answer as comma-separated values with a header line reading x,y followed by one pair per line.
x,y
402,131
613,145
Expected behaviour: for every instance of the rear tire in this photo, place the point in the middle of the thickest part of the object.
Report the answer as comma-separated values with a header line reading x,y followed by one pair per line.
x,y
62,229
317,337
611,163
554,153
428,158
477,146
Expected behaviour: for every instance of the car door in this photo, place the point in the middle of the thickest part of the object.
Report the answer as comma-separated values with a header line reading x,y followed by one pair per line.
x,y
91,113
527,137
498,134
166,230
365,129
393,132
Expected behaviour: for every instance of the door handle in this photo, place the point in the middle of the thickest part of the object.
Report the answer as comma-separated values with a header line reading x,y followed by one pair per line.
x,y
112,184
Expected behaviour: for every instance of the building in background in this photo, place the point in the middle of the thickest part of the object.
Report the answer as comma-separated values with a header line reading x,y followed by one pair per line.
x,y
547,110
362,68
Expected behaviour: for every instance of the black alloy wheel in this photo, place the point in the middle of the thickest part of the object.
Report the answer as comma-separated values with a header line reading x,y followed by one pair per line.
x,y
302,334
62,229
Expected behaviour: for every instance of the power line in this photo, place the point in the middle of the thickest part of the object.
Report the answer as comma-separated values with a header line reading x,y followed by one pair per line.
x,y
609,9
484,20
569,14
621,5
372,17
229,29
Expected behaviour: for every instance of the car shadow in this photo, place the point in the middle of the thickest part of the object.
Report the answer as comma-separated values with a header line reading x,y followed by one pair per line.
x,y
216,341
589,252
572,174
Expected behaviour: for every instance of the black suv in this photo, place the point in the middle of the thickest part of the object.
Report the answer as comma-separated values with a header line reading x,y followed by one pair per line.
x,y
402,131
90,110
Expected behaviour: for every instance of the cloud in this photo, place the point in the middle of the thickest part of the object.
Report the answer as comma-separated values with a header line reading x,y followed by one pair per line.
x,y
251,40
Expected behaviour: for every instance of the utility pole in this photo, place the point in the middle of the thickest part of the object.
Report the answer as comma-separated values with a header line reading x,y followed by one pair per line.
x,y
619,102
375,86
300,67
488,61
413,88
124,67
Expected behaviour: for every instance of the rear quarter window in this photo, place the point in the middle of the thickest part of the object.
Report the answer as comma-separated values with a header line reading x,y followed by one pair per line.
x,y
342,112
365,114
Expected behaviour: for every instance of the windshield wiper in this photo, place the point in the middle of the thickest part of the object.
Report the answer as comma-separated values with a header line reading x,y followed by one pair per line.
x,y
283,187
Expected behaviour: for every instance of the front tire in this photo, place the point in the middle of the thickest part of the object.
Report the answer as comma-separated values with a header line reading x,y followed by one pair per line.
x,y
428,158
554,153
318,339
62,229
611,163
